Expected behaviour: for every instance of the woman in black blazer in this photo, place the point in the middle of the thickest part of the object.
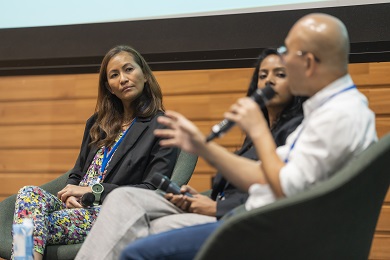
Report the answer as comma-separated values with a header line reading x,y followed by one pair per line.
x,y
118,148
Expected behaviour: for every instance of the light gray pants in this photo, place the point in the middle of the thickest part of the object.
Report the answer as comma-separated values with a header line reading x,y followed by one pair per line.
x,y
131,213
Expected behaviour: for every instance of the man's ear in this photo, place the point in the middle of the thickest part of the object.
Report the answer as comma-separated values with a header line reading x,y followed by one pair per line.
x,y
311,64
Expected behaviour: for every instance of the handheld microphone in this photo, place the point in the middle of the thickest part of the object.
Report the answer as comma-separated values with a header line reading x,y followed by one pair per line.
x,y
163,183
260,96
87,199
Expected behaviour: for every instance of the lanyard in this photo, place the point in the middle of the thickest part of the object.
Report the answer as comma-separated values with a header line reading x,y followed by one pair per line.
x,y
326,100
107,155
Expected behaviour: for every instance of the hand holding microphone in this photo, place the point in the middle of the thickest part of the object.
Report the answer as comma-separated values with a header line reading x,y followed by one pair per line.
x,y
163,183
260,96
87,199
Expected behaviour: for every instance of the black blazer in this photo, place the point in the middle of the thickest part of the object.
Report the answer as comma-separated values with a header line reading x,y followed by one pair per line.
x,y
137,158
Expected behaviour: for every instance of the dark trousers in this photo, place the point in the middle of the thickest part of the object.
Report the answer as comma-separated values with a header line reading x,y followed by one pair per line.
x,y
182,243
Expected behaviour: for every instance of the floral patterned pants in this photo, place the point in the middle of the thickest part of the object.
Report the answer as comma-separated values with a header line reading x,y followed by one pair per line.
x,y
53,222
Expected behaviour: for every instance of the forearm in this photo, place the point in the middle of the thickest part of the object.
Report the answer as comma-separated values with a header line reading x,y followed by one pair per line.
x,y
239,171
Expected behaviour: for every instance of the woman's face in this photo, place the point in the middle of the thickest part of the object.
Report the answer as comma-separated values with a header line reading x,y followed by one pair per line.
x,y
125,77
273,71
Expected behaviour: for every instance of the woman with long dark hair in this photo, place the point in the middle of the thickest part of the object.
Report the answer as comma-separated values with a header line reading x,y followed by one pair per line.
x,y
118,149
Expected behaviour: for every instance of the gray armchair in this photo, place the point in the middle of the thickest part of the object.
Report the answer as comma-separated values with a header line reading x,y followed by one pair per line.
x,y
335,220
182,173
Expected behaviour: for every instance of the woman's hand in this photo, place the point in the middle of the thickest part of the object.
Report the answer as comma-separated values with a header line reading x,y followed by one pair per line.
x,y
73,202
179,200
72,190
199,203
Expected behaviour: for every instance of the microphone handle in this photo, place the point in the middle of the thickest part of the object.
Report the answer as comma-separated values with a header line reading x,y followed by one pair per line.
x,y
175,189
163,183
259,96
224,126
219,129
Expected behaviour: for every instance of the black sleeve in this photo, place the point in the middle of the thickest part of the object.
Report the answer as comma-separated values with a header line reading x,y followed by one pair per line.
x,y
77,174
284,130
159,159
162,160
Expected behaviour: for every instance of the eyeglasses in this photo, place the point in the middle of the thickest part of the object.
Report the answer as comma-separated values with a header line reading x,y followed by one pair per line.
x,y
282,50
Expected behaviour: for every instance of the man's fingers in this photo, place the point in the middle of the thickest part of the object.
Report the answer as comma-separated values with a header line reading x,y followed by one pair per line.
x,y
172,114
168,142
164,133
165,121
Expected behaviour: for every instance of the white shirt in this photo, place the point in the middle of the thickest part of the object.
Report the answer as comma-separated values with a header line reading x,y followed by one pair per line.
x,y
337,126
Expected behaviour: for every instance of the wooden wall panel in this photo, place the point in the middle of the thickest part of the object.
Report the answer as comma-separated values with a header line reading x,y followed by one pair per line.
x,y
384,219
46,112
13,182
69,135
202,107
202,182
380,248
42,121
383,126
370,74
51,88
387,198
379,100
37,160
41,136
204,81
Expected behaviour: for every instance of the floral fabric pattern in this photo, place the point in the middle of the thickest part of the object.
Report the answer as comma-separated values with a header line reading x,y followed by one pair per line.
x,y
53,222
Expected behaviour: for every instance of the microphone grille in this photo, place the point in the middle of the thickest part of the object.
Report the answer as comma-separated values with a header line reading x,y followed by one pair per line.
x,y
268,92
87,199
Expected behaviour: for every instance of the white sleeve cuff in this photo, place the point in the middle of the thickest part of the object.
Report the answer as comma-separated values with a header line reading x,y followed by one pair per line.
x,y
259,195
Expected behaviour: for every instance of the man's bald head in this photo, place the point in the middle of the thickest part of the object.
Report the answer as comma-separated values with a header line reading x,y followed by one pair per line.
x,y
317,53
326,37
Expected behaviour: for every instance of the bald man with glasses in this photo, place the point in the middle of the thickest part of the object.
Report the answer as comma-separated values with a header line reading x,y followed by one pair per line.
x,y
337,127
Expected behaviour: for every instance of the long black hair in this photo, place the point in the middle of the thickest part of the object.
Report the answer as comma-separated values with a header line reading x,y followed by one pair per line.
x,y
293,109
109,108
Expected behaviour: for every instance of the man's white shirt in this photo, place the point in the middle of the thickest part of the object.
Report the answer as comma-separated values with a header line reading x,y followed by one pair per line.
x,y
337,126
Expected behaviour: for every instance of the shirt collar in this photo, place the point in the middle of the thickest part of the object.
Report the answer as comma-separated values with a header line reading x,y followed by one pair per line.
x,y
317,100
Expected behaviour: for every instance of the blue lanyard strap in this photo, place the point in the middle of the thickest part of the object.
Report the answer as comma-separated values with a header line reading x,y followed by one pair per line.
x,y
107,155
326,100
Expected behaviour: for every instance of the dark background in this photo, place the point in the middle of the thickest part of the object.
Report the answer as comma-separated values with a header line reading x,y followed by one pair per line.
x,y
225,41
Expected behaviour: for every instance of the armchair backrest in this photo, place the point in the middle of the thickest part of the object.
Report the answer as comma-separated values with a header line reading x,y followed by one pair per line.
x,y
7,208
334,220
184,168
